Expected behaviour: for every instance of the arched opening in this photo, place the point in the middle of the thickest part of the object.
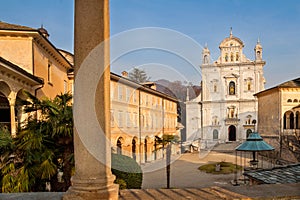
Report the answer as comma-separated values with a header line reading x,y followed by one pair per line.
x,y
297,120
232,133
248,132
5,119
133,148
4,112
205,59
155,147
215,134
292,120
231,88
119,145
284,121
145,149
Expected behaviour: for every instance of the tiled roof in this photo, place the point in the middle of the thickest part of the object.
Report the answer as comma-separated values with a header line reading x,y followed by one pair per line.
x,y
7,26
292,83
295,83
284,174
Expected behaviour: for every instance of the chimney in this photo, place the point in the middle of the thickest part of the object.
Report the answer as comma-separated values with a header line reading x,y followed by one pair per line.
x,y
125,74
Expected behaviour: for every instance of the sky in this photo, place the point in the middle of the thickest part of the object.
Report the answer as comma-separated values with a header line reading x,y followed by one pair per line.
x,y
187,23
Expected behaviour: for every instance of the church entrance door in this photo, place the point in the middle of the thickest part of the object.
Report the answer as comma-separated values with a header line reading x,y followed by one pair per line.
x,y
232,133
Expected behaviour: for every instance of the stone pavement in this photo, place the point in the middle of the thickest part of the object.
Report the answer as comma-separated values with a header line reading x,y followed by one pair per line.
x,y
188,182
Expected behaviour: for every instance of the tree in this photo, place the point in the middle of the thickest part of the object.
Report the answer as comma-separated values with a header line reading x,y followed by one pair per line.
x,y
166,142
42,148
138,75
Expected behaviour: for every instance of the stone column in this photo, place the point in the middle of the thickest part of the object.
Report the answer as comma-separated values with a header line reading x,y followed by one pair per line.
x,y
12,117
93,178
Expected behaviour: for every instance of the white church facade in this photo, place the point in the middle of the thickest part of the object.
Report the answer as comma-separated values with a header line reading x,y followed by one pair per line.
x,y
226,109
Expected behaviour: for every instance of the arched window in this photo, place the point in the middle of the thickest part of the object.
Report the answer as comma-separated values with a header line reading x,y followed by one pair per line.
x,y
289,100
215,87
205,59
295,100
215,134
237,57
226,57
231,57
231,88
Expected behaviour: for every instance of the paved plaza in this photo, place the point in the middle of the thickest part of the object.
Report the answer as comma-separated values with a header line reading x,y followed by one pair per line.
x,y
187,182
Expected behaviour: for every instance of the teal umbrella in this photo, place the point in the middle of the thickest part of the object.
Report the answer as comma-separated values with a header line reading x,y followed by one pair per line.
x,y
253,144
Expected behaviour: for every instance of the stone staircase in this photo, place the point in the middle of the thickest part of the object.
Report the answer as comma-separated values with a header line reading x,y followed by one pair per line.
x,y
293,145
211,193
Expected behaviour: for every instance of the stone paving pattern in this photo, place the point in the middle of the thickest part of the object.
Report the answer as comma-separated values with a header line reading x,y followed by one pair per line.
x,y
188,182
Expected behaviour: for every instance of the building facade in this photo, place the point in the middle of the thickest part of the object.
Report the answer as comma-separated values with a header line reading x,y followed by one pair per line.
x,y
226,109
279,118
140,116
28,61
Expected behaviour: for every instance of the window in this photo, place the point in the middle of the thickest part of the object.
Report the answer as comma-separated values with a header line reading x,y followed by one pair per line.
x,y
128,92
249,85
49,73
231,88
120,119
215,87
237,56
112,118
65,86
128,121
134,96
215,134
289,101
231,57
112,90
226,57
147,99
135,120
120,92
295,100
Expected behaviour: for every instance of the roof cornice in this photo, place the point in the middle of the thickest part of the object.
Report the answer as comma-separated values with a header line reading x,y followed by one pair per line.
x,y
40,40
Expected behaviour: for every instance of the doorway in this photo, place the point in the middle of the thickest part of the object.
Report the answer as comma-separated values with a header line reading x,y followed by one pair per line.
x,y
232,133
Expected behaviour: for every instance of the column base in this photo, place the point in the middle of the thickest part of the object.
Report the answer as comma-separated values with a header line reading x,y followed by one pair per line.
x,y
92,189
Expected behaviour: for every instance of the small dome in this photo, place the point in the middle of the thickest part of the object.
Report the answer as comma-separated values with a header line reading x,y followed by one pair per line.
x,y
43,31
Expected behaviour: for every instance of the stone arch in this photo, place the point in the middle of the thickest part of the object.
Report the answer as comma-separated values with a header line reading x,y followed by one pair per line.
x,y
134,147
288,120
5,117
146,141
120,143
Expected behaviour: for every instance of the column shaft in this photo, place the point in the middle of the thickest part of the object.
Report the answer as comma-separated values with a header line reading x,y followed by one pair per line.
x,y
93,178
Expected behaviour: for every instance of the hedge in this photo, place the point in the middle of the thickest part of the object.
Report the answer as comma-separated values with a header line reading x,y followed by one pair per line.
x,y
128,170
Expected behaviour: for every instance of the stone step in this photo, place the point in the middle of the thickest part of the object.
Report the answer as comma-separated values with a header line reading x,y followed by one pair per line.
x,y
211,193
